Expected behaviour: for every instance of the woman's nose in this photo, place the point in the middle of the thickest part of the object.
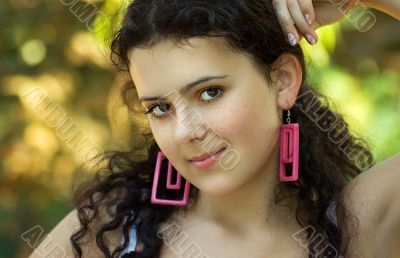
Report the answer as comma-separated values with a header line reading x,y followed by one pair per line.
x,y
189,126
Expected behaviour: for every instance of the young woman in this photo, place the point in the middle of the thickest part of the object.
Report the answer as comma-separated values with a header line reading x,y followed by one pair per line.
x,y
244,158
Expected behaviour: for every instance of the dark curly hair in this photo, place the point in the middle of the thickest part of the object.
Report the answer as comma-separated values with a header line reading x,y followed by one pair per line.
x,y
330,155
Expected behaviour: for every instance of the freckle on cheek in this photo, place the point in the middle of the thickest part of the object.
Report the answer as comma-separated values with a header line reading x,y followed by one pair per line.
x,y
238,119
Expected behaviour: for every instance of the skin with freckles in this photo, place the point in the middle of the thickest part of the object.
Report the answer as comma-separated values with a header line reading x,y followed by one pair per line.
x,y
246,114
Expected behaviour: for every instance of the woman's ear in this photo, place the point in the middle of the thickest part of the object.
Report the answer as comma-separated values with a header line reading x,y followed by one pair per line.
x,y
287,76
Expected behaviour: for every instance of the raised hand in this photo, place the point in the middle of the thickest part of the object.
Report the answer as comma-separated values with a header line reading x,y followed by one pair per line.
x,y
300,18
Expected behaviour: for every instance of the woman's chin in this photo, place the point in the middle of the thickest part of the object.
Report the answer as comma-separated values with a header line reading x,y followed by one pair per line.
x,y
217,189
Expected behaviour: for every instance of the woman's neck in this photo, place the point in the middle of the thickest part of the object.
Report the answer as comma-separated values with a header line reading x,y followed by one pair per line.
x,y
248,208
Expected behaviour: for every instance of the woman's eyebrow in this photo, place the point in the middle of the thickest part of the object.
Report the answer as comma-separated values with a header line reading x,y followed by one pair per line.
x,y
187,87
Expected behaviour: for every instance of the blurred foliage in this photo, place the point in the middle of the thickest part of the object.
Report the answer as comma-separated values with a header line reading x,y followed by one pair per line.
x,y
59,49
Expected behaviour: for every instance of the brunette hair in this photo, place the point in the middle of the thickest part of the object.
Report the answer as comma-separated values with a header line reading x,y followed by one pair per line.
x,y
330,155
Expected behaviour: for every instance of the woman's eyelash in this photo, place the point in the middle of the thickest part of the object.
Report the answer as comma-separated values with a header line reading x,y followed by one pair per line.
x,y
151,109
220,93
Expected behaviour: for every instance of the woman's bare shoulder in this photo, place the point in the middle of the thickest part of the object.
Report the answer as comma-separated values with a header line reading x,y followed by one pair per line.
x,y
57,243
372,197
373,192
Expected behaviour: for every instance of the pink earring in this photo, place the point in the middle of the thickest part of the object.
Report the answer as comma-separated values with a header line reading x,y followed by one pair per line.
x,y
289,150
170,186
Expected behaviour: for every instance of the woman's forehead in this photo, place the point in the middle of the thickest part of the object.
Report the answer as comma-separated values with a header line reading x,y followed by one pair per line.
x,y
177,64
206,49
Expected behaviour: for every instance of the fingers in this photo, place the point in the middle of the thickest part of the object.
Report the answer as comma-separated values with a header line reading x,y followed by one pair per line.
x,y
286,21
300,21
308,10
296,18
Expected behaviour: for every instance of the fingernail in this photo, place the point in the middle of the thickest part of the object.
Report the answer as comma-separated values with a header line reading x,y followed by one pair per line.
x,y
308,18
311,39
292,39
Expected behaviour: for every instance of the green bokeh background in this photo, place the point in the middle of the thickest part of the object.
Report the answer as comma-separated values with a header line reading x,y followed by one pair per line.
x,y
60,47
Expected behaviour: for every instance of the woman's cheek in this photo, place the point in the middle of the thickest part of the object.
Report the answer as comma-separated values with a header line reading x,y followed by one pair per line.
x,y
237,119
163,138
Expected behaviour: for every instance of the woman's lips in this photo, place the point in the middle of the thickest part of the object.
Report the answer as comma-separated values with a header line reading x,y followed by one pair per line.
x,y
207,162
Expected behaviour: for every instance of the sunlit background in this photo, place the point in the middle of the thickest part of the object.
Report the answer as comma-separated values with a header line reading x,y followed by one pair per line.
x,y
54,67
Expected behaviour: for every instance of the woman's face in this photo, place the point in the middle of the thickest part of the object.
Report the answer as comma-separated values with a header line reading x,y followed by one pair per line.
x,y
242,113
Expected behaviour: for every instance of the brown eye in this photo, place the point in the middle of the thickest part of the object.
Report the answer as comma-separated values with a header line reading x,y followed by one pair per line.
x,y
159,110
163,108
212,92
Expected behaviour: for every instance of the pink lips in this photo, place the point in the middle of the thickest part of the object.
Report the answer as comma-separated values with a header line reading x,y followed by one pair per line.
x,y
207,161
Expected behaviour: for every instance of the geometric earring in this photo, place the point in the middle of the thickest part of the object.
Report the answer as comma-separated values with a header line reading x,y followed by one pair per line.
x,y
289,151
170,186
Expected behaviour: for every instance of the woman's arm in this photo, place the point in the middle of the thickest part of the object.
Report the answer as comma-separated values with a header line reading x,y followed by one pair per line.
x,y
300,18
390,7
